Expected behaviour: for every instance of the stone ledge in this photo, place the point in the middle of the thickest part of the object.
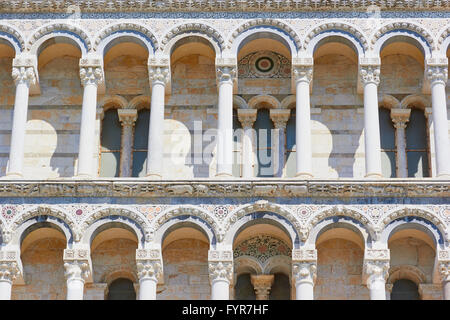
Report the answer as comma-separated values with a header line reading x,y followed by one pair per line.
x,y
225,188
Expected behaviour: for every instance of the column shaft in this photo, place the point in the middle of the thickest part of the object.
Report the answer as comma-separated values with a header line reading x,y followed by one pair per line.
x,y
127,118
147,289
400,117
156,130
225,126
5,289
220,290
438,98
303,122
247,153
75,289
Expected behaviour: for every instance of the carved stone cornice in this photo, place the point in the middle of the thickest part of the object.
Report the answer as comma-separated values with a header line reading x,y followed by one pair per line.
x,y
149,264
302,73
212,188
27,6
369,74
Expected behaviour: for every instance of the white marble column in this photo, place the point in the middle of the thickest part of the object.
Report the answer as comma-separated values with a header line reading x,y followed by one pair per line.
x,y
429,115
303,77
400,118
150,270
438,74
247,117
389,287
91,76
262,285
375,272
226,75
128,119
444,270
220,264
159,78
304,273
23,77
280,118
370,77
8,273
76,272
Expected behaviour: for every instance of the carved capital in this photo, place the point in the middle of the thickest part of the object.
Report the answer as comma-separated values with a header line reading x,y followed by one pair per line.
x,y
91,75
262,285
304,272
149,269
370,74
247,117
77,264
9,270
127,117
226,73
23,75
280,117
437,74
159,74
375,271
400,117
444,270
220,271
302,73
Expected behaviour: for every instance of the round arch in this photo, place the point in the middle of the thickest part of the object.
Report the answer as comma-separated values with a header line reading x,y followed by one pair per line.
x,y
389,102
131,32
264,28
408,272
115,101
415,100
239,102
12,37
246,264
70,33
186,30
271,101
344,222
444,41
289,102
139,102
407,32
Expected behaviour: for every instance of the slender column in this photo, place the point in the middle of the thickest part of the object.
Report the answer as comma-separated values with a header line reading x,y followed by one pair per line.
x,y
429,115
91,76
8,273
226,76
247,117
304,272
375,272
370,77
159,77
279,117
400,117
23,77
303,76
150,271
444,270
262,285
437,74
77,271
220,273
127,118
389,287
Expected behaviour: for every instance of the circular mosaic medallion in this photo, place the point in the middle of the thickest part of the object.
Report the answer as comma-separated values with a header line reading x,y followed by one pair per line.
x,y
221,211
8,212
265,63
79,212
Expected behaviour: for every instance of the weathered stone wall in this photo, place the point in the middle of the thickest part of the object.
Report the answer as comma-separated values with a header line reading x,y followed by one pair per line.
x,y
185,271
43,271
339,271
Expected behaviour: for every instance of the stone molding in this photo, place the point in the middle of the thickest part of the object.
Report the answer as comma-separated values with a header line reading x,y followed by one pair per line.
x,y
215,5
236,188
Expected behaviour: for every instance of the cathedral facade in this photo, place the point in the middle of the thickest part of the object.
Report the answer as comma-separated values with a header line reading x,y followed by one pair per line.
x,y
224,149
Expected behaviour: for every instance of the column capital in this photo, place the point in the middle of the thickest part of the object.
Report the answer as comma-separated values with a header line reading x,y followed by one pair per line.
x,y
437,73
262,285
302,72
159,73
91,75
369,73
226,73
11,266
23,74
77,264
220,263
149,264
280,117
400,117
304,271
444,270
375,270
247,117
127,117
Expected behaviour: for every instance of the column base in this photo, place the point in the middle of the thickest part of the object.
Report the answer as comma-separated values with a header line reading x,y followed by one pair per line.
x,y
13,175
224,176
153,176
304,175
373,176
445,176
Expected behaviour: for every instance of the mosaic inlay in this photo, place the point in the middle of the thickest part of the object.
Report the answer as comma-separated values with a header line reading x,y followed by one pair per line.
x,y
262,247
